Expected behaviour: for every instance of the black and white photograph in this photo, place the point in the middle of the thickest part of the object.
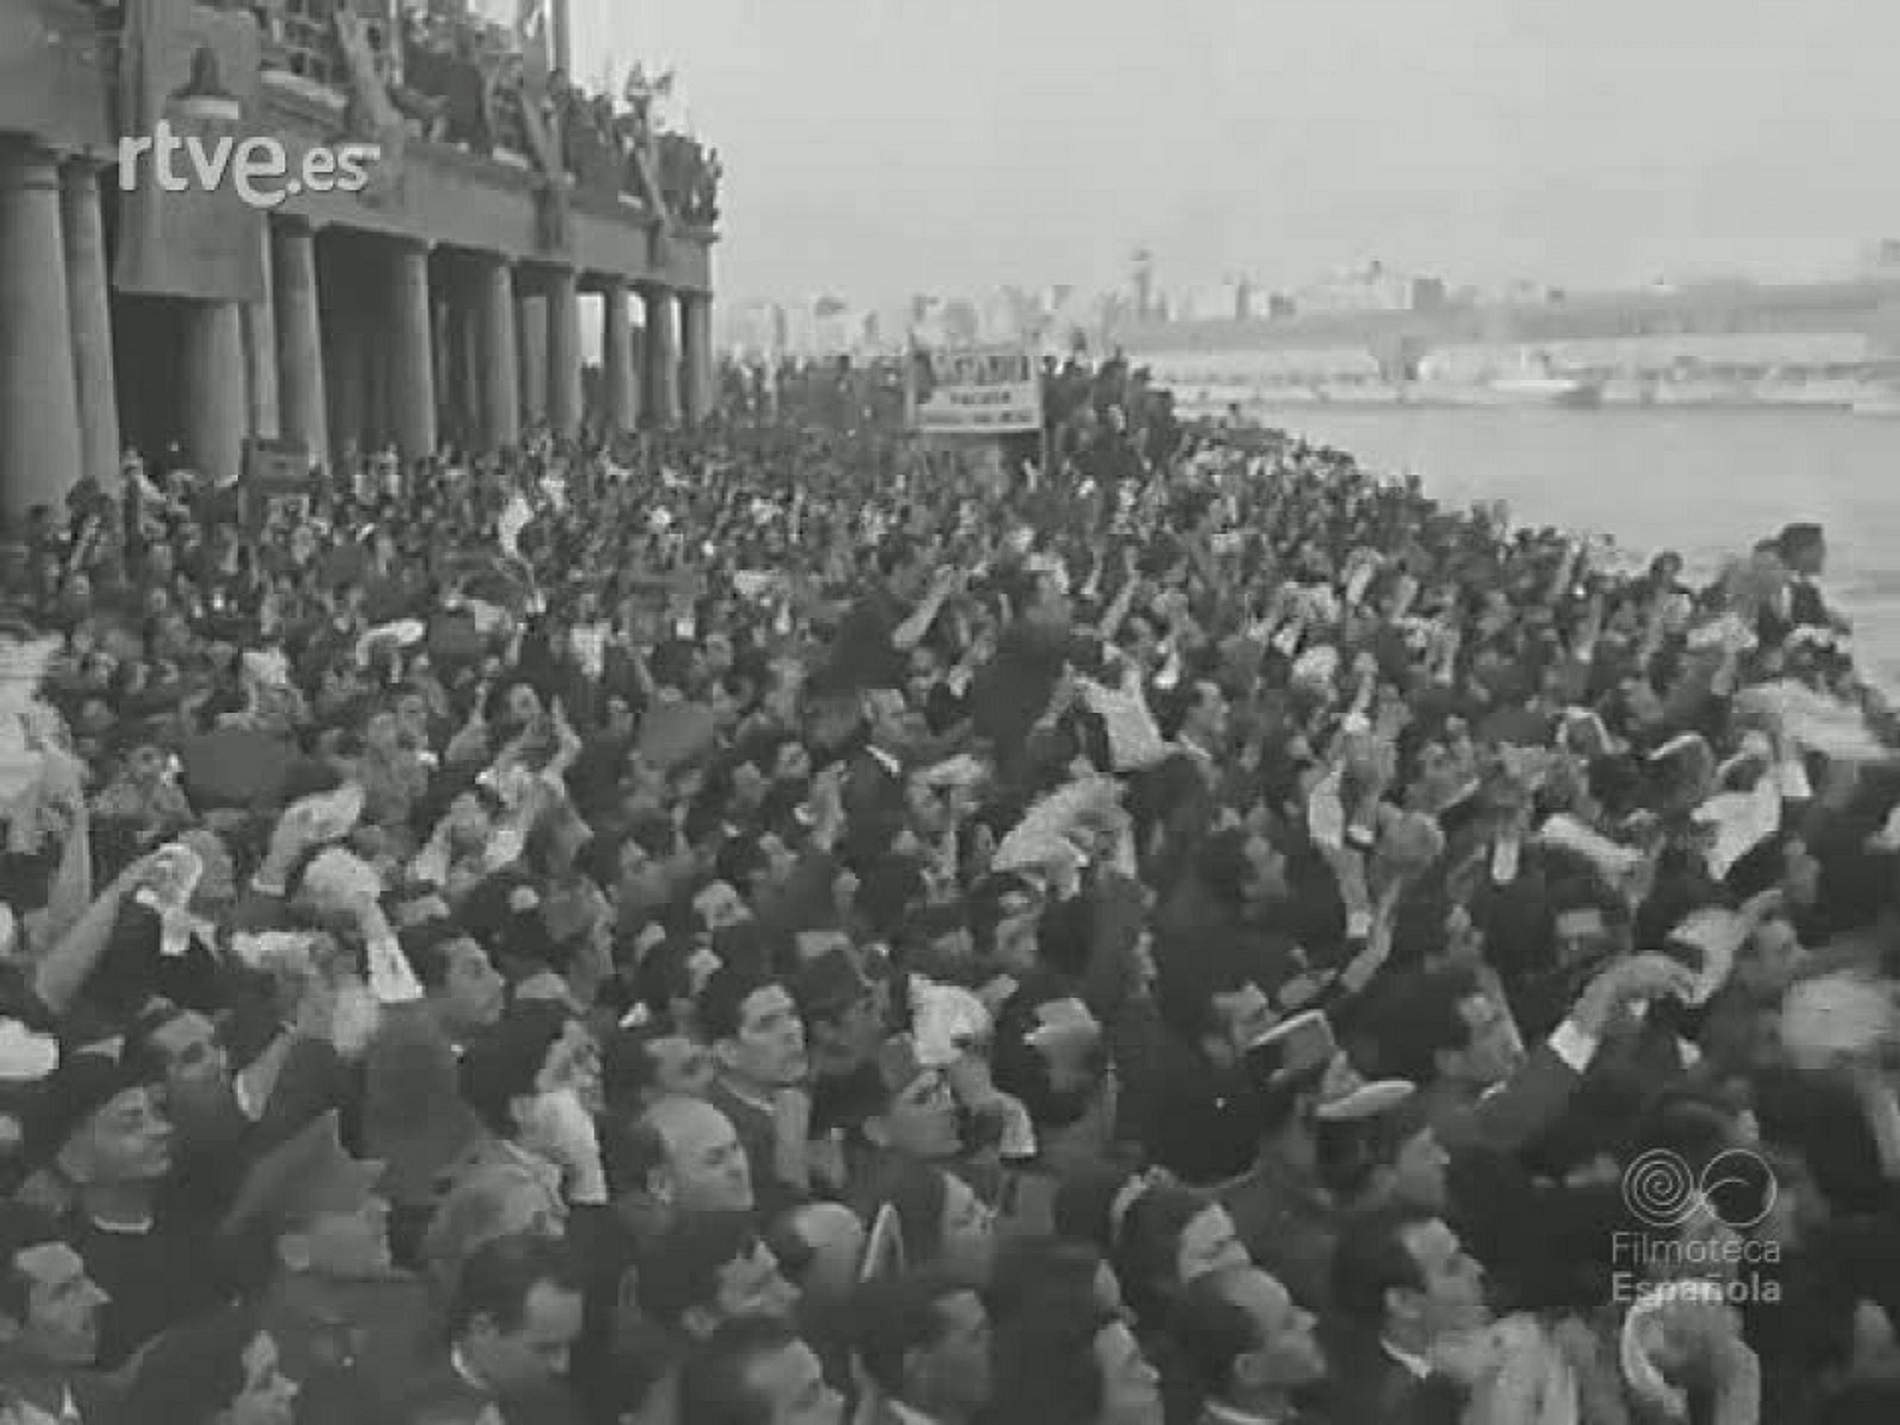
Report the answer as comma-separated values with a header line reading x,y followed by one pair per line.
x,y
890,712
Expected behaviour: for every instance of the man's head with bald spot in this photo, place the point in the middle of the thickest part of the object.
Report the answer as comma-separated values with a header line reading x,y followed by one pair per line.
x,y
820,1245
706,1168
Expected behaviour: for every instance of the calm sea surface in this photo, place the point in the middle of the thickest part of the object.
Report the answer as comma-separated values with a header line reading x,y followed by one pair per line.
x,y
1705,483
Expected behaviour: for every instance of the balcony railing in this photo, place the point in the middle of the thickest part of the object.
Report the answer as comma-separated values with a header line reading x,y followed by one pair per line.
x,y
459,82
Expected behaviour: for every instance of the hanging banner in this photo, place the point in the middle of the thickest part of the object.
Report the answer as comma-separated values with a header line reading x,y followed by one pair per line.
x,y
276,481
194,71
982,390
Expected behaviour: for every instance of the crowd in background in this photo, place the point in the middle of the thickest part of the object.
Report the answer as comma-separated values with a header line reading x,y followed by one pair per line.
x,y
750,927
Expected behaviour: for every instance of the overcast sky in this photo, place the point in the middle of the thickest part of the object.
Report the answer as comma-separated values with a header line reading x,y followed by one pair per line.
x,y
879,147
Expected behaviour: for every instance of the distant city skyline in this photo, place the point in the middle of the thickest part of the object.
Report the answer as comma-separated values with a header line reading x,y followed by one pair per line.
x,y
1054,314
882,147
1381,286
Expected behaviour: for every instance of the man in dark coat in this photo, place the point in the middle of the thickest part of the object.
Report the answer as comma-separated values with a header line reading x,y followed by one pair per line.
x,y
347,1323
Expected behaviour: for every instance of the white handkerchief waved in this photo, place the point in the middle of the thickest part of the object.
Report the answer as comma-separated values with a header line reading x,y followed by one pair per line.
x,y
1742,821
945,1020
25,1057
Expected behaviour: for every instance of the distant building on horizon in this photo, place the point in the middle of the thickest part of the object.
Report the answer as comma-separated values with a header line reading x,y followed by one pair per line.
x,y
1143,283
1372,288
1236,299
754,331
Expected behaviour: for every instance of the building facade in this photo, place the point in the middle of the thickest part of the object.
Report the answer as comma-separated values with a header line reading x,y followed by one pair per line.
x,y
442,300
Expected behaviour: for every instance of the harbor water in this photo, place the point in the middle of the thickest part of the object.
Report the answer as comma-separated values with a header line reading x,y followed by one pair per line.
x,y
1706,483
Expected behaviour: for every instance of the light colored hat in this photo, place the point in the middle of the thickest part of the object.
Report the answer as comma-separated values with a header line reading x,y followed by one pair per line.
x,y
1346,1095
1834,1016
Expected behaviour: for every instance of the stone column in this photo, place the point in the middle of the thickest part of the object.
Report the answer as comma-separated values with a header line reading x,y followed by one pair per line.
x,y
40,451
349,405
301,412
214,390
662,405
89,300
441,344
258,324
637,371
468,358
616,359
564,353
412,353
696,356
531,333
462,375
374,344
501,381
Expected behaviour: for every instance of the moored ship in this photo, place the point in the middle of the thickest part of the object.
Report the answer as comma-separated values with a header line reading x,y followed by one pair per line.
x,y
1541,384
1881,402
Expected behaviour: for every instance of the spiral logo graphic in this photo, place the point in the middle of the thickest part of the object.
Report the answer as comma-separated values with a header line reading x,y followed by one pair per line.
x,y
1659,1189
1737,1188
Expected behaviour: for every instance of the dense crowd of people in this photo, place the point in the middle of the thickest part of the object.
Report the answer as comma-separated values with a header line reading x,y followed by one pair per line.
x,y
772,924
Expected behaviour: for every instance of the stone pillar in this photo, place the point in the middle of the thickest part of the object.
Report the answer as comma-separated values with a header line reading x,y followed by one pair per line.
x,y
40,450
454,395
349,404
89,301
662,405
412,353
214,390
616,359
531,333
441,345
258,324
696,356
637,371
564,353
462,373
301,410
501,381
468,358
374,345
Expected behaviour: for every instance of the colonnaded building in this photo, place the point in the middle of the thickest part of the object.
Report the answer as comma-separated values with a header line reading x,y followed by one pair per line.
x,y
443,300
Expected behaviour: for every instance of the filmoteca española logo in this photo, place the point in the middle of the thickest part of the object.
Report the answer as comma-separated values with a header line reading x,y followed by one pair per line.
x,y
1736,1187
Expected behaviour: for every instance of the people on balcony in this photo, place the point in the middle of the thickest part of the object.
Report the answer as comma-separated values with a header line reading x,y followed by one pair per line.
x,y
459,81
422,110
442,59
689,177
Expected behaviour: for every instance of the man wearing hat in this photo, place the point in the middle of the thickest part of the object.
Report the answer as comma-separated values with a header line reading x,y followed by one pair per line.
x,y
103,1149
1281,1210
345,1320
49,1323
